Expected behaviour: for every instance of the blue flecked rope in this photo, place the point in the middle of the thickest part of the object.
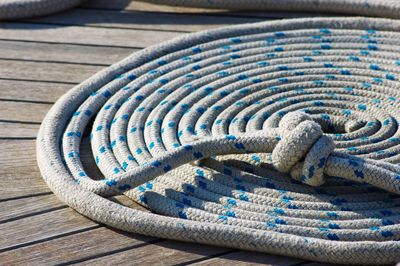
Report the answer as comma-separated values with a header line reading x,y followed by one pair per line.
x,y
244,102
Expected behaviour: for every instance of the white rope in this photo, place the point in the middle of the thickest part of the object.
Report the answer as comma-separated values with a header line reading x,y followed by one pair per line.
x,y
259,96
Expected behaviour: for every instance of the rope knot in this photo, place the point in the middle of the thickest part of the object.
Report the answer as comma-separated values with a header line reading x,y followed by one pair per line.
x,y
302,139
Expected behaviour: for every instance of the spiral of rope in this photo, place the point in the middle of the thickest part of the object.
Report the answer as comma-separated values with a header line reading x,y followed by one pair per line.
x,y
226,136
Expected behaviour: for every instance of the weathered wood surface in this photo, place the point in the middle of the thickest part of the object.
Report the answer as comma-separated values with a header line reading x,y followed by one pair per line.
x,y
42,58
134,20
62,53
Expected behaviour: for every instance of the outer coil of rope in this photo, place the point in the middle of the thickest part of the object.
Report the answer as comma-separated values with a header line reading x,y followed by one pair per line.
x,y
12,9
216,132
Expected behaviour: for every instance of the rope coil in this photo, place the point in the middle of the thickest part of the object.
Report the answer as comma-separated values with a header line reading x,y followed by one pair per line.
x,y
248,105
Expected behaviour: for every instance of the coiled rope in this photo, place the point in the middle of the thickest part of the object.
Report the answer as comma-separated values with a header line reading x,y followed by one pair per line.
x,y
247,105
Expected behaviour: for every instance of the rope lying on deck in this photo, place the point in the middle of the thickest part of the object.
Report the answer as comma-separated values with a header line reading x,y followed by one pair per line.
x,y
14,9
259,96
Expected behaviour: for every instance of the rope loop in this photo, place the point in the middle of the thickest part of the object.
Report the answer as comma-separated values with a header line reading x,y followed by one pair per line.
x,y
302,139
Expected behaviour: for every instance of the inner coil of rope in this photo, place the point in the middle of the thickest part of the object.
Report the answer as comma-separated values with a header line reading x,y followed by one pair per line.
x,y
227,91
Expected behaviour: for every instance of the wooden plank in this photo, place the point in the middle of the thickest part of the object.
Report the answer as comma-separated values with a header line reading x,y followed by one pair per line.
x,y
28,179
82,35
40,227
17,130
140,20
54,52
44,71
241,258
15,209
47,92
20,208
75,247
18,168
162,253
21,111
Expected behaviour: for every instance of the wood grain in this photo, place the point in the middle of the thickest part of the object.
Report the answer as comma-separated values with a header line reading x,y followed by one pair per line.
x,y
163,253
32,90
80,246
15,209
241,258
26,177
45,71
18,130
18,169
138,20
40,227
64,53
22,111
51,33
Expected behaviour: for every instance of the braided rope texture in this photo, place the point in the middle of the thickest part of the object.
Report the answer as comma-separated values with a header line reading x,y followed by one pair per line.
x,y
216,133
14,9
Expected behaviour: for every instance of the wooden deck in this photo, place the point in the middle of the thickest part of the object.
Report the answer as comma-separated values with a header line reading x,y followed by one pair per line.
x,y
40,59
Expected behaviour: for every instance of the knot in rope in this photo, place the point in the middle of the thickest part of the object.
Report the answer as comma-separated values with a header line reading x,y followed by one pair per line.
x,y
303,150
